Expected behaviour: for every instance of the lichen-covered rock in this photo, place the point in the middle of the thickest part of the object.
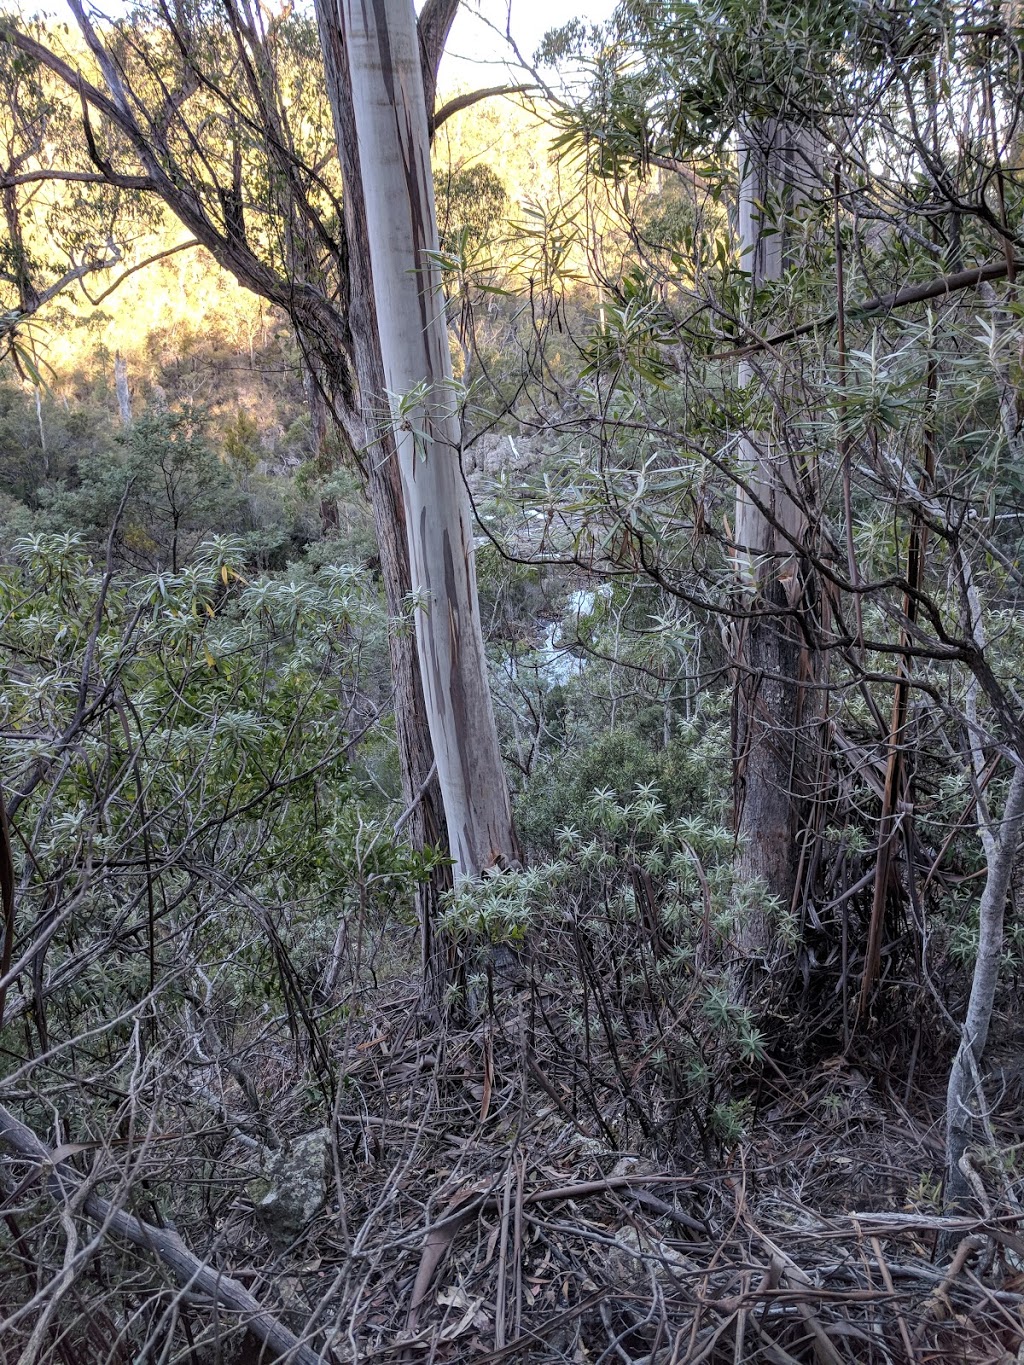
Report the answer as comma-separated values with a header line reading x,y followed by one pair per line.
x,y
635,1165
634,1259
293,1187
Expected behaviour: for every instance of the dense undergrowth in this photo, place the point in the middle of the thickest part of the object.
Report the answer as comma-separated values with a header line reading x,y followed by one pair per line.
x,y
214,1015
618,1101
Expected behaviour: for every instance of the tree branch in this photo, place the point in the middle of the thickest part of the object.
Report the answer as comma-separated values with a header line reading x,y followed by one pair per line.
x,y
884,303
432,28
141,265
306,305
188,1269
128,182
466,101
9,321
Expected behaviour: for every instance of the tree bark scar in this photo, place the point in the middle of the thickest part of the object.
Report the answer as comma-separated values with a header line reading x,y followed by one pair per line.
x,y
425,634
383,35
421,236
465,723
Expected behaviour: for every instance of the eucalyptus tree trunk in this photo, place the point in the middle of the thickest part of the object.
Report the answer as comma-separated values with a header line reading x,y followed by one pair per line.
x,y
425,823
408,402
773,657
425,820
124,394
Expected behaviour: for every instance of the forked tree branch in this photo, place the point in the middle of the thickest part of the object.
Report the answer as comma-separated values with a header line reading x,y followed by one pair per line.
x,y
140,265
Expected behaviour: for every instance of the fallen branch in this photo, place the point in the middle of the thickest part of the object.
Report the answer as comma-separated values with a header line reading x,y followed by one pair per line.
x,y
825,1351
190,1272
529,1338
877,1224
7,901
937,1300
438,1237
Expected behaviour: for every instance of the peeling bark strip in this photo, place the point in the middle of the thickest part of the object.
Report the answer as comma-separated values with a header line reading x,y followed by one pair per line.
x,y
393,149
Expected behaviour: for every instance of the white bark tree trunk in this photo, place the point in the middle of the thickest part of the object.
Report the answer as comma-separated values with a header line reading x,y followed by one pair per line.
x,y
774,707
426,826
392,143
1000,839
124,393
964,1096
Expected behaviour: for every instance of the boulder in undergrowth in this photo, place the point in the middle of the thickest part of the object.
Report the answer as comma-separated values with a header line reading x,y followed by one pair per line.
x,y
293,1187
634,1258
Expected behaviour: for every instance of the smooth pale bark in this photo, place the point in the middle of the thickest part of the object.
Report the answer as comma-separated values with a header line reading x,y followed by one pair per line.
x,y
124,395
351,408
773,707
964,1097
425,824
415,408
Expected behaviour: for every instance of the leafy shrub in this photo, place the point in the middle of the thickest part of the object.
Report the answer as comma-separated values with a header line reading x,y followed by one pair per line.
x,y
626,926
182,750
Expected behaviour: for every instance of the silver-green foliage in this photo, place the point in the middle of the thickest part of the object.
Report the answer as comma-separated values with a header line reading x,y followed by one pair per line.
x,y
192,816
630,919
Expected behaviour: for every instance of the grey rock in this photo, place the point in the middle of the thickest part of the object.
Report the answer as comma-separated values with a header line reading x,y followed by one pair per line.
x,y
635,1165
633,1260
293,1187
